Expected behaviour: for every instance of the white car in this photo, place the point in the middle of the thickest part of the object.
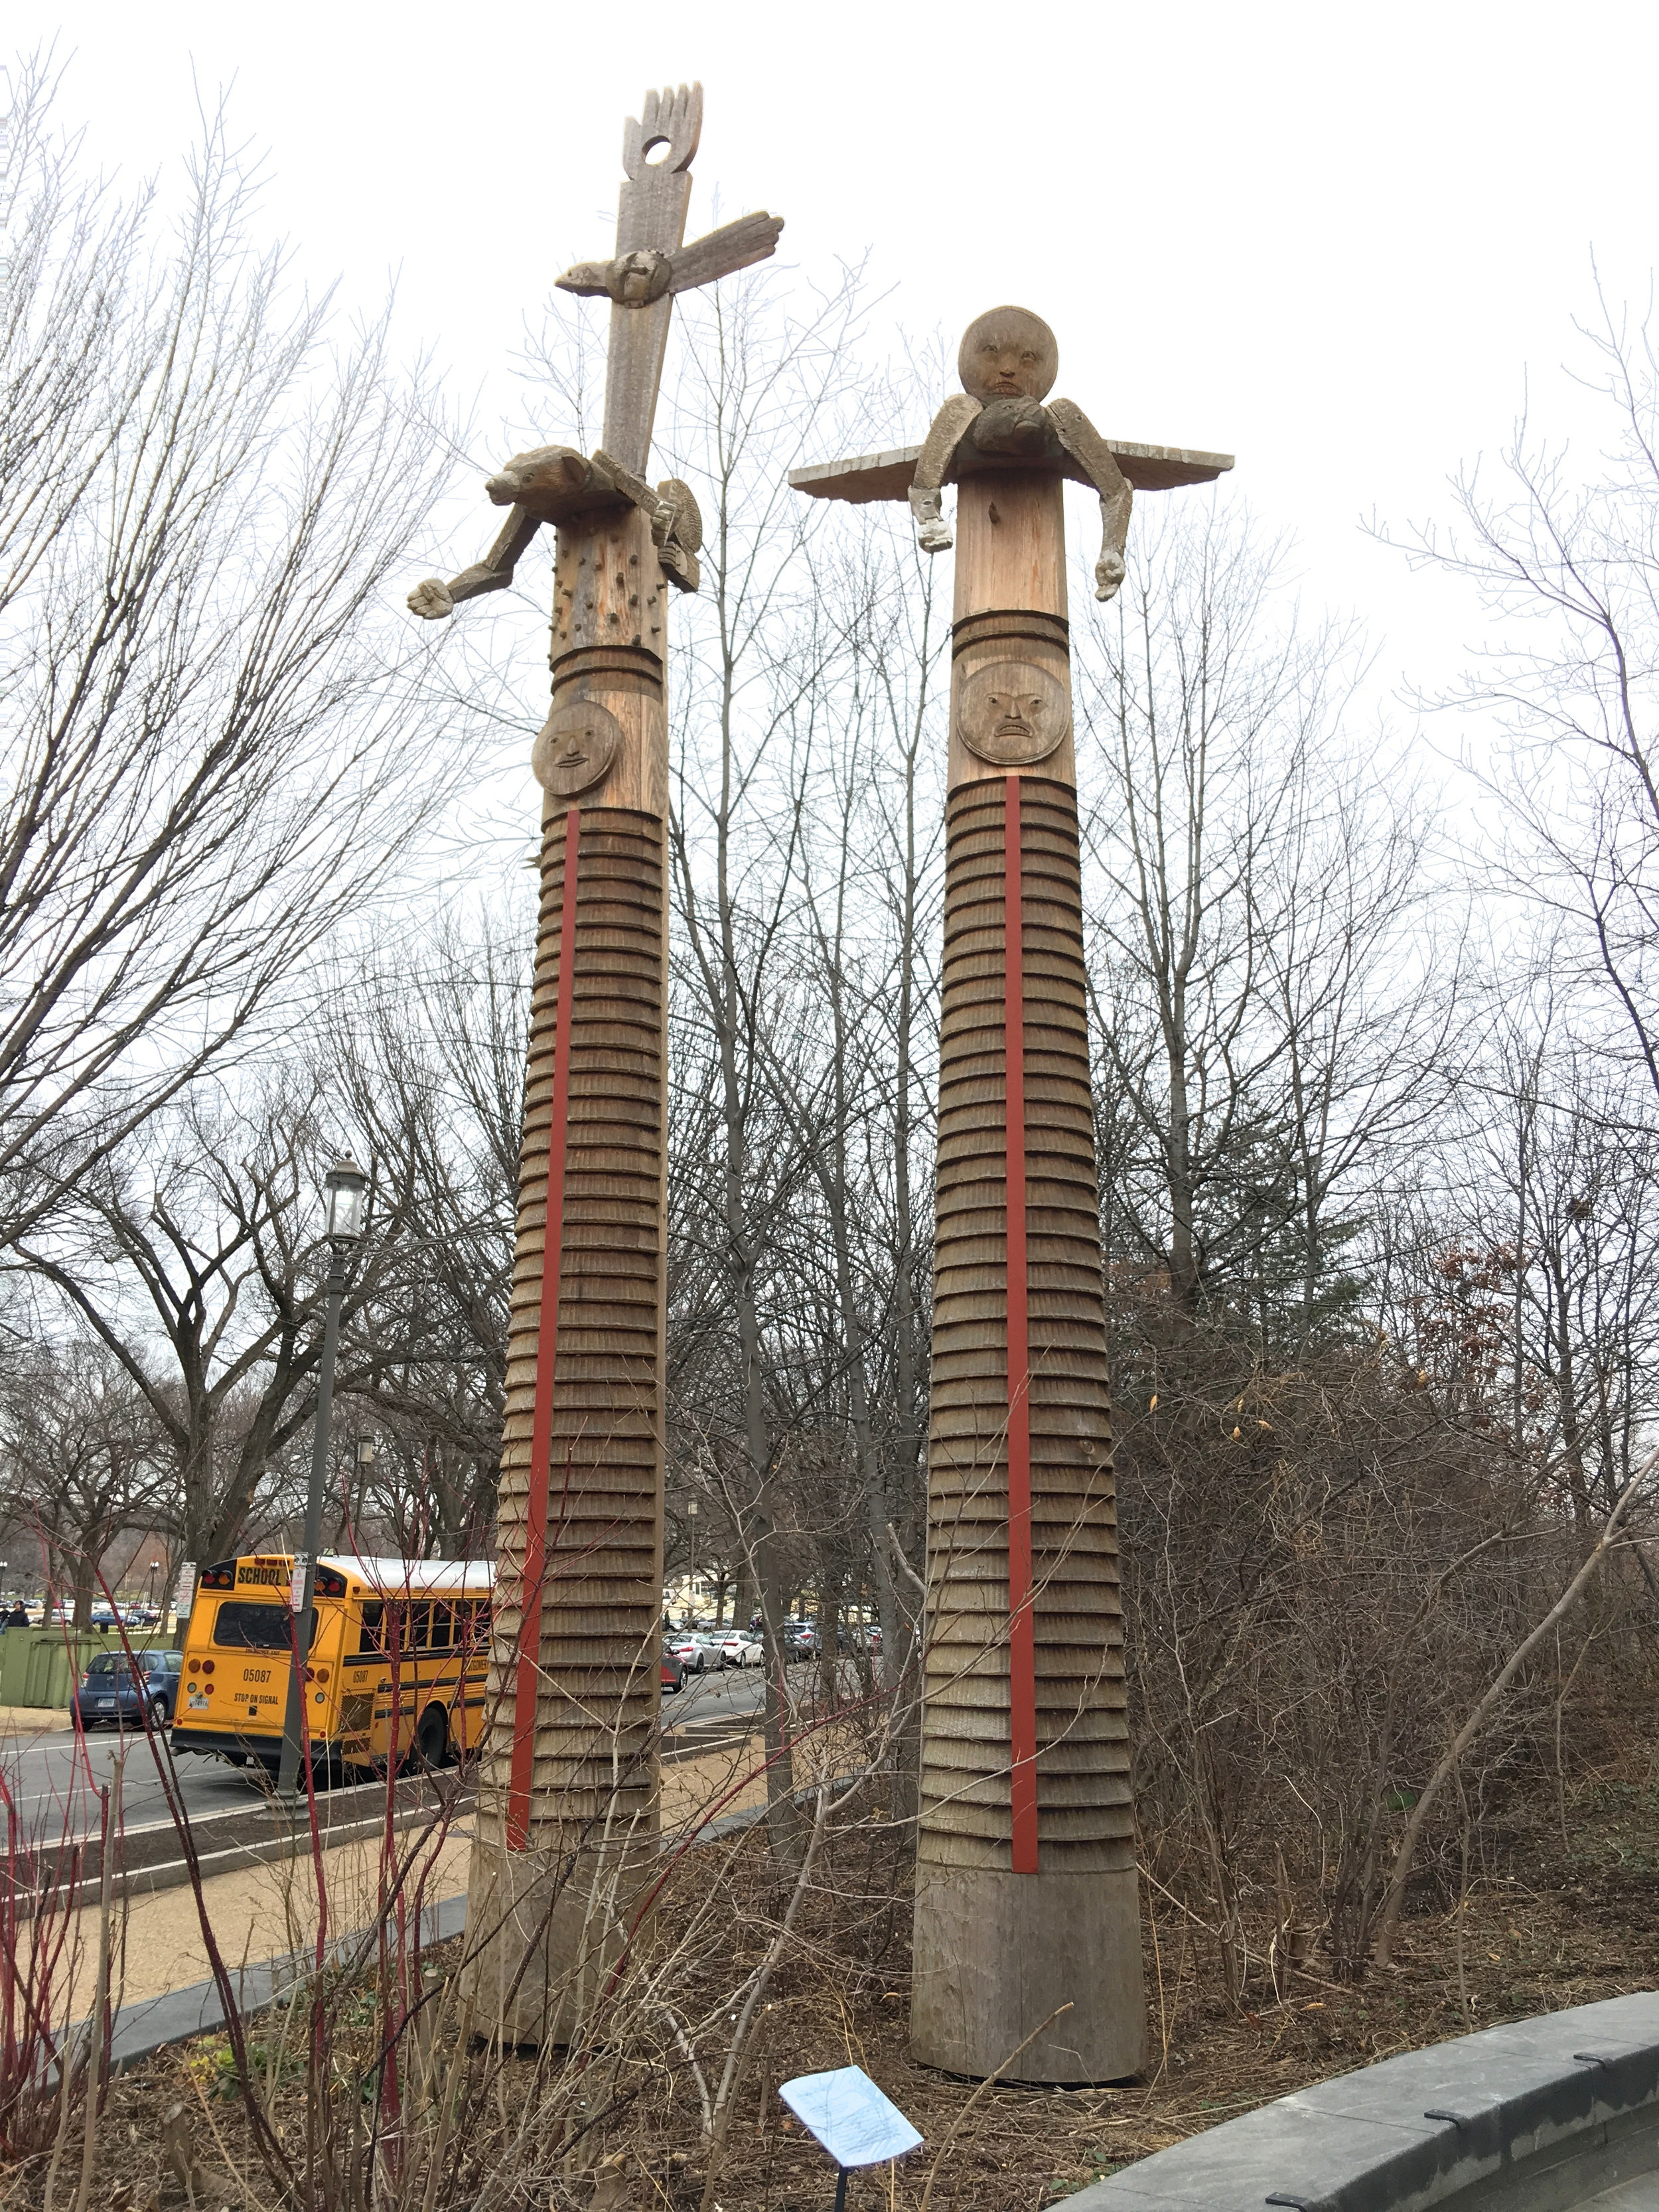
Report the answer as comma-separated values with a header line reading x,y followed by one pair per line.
x,y
697,1653
740,1649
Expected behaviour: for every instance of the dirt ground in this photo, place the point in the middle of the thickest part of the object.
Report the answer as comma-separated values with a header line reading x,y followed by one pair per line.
x,y
1542,1929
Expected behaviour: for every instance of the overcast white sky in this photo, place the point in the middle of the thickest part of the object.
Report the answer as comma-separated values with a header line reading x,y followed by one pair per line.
x,y
1335,241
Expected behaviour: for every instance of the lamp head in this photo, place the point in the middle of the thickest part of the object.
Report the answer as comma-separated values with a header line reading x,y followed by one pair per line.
x,y
345,1184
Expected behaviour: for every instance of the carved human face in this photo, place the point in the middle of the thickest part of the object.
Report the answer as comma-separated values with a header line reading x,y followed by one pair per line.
x,y
1008,353
1014,714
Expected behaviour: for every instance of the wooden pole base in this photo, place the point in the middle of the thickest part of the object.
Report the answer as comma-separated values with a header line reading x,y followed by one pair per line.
x,y
545,1935
995,1953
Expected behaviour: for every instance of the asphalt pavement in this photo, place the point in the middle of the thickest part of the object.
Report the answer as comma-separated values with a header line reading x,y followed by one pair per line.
x,y
54,1782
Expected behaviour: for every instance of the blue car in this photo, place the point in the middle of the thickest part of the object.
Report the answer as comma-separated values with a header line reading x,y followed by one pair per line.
x,y
116,1689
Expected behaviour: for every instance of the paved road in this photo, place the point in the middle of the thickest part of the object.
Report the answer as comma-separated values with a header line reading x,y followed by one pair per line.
x,y
54,1783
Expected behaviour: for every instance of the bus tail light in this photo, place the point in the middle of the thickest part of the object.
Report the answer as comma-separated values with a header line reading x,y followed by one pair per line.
x,y
207,1666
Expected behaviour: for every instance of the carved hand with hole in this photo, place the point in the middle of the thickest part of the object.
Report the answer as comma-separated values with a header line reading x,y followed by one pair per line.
x,y
651,264
1007,362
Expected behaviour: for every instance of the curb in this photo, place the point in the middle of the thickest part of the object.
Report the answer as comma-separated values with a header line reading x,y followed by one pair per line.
x,y
1536,2116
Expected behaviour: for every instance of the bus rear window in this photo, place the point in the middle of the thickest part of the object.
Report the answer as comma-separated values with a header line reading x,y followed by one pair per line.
x,y
251,1626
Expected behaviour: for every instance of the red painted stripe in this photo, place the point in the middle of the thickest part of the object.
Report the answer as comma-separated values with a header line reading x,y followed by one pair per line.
x,y
528,1671
1022,1642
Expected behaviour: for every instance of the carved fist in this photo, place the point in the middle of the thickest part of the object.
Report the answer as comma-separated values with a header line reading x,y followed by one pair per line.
x,y
1108,575
935,535
431,601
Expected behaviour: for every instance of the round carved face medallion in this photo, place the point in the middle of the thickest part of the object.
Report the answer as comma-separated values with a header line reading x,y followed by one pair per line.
x,y
1012,713
575,747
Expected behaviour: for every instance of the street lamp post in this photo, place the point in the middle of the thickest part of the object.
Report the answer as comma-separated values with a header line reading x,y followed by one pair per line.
x,y
691,1578
345,1184
150,1594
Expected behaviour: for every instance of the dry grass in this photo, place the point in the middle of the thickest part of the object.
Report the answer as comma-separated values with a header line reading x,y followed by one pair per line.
x,y
1539,1928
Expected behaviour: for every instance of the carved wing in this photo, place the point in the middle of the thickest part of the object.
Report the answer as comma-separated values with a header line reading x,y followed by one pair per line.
x,y
734,246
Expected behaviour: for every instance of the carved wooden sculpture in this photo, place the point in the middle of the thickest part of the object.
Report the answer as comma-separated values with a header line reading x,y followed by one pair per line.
x,y
1026,1894
567,1820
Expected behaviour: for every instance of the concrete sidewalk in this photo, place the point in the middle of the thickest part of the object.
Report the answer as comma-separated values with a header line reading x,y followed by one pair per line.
x,y
265,1911
33,1720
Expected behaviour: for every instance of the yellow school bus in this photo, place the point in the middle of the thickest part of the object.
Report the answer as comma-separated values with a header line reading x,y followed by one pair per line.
x,y
396,1666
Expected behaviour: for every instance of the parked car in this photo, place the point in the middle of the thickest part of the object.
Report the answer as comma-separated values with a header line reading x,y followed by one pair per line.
x,y
117,1690
696,1653
673,1669
800,1641
740,1649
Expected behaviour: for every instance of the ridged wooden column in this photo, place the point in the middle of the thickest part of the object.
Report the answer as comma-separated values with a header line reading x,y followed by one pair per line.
x,y
567,1821
1026,1897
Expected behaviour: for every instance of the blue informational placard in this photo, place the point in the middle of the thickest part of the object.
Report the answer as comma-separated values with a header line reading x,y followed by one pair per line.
x,y
850,2117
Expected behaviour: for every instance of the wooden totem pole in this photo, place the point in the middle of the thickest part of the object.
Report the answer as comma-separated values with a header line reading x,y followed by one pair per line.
x,y
567,1821
1026,1894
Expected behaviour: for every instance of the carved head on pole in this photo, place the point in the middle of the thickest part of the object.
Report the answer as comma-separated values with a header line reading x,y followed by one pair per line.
x,y
1008,352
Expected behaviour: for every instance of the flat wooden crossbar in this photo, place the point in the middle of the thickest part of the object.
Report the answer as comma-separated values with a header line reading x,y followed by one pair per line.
x,y
868,477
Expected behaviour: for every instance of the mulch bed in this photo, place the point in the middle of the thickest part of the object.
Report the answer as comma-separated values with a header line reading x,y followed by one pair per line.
x,y
1541,1929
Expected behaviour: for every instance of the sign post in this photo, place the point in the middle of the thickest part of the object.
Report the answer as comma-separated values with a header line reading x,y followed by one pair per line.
x,y
855,2122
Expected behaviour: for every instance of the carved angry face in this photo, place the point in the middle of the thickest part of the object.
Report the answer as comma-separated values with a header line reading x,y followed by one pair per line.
x,y
1013,715
1008,353
1013,712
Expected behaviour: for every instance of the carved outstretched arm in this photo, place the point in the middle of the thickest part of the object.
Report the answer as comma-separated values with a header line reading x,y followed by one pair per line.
x,y
951,426
1090,450
433,599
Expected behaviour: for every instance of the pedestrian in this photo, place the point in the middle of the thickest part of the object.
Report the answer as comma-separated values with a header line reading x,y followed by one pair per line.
x,y
19,1615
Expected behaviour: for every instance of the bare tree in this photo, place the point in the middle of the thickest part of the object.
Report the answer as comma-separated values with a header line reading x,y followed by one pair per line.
x,y
1565,561
203,501
758,383
433,1077
1272,1003
82,1461
209,1242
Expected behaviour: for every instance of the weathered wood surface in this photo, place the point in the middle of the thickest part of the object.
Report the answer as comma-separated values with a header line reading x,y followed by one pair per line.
x,y
601,1611
650,214
868,477
1010,602
1084,1822
566,1819
995,1950
589,1826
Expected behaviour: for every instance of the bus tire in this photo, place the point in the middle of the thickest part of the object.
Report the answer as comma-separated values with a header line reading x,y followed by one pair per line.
x,y
432,1739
